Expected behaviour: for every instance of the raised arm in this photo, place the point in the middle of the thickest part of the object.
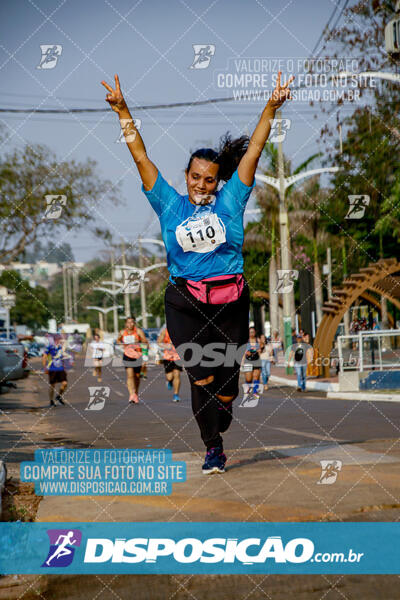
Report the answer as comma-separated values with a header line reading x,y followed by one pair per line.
x,y
147,170
248,164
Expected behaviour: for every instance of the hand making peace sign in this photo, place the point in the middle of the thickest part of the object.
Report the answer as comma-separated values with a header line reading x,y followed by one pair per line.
x,y
280,93
115,97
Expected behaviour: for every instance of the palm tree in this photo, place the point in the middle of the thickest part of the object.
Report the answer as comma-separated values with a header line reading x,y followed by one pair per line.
x,y
305,219
265,231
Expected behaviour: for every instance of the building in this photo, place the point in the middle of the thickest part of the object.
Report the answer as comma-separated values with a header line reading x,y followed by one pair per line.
x,y
39,273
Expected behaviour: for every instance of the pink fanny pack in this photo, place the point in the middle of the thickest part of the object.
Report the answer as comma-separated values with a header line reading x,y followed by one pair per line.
x,y
216,290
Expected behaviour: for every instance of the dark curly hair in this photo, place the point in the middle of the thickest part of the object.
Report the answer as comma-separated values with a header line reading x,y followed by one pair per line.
x,y
227,156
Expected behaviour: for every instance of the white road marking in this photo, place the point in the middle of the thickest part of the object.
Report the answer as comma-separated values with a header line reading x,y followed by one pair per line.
x,y
314,436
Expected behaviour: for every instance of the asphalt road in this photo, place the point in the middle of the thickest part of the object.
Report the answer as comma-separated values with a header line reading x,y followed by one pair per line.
x,y
255,487
282,417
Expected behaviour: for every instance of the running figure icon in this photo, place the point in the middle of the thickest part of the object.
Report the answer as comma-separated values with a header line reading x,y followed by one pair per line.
x,y
62,549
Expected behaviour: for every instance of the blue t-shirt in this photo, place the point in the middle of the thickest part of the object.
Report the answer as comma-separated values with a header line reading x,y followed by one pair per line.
x,y
202,241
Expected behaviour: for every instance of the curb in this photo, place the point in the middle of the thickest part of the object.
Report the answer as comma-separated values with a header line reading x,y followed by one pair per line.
x,y
310,385
363,396
333,392
3,476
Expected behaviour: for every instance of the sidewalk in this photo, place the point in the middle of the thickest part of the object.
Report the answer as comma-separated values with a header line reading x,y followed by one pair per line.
x,y
331,386
279,376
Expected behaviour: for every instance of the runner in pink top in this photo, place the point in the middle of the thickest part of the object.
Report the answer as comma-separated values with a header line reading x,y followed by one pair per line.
x,y
130,338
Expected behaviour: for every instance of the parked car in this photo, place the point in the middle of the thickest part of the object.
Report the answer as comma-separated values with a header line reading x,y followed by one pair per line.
x,y
13,361
11,335
35,349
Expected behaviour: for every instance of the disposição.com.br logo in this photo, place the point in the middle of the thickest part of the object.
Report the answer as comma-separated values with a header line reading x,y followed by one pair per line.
x,y
62,547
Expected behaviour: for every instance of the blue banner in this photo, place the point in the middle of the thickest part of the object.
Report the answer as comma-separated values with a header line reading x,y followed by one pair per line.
x,y
204,548
89,472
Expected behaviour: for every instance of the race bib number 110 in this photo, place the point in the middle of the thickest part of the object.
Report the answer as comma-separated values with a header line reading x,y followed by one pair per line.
x,y
202,234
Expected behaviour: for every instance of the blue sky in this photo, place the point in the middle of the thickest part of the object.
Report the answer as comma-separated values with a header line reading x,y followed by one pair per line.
x,y
150,45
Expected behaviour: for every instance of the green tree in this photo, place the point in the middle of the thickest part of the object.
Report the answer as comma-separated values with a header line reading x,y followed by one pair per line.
x,y
50,253
32,304
27,175
369,161
368,166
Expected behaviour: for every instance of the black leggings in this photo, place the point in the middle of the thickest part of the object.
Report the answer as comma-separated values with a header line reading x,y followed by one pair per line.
x,y
213,416
189,320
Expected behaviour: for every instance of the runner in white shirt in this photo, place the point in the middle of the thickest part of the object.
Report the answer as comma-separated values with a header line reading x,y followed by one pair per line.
x,y
267,358
97,347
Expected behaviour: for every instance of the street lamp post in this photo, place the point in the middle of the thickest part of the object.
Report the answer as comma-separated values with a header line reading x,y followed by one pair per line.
x,y
284,237
142,284
70,273
142,288
140,318
103,311
113,293
115,311
126,296
141,272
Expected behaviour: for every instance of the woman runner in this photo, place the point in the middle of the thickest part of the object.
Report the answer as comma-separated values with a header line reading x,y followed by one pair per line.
x,y
171,368
252,362
132,338
97,347
267,358
207,298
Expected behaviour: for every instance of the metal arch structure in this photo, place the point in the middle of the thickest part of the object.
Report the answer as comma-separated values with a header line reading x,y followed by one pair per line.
x,y
365,296
375,302
377,277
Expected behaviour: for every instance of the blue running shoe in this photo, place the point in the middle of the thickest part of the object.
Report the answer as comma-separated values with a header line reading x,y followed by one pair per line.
x,y
169,385
214,462
176,398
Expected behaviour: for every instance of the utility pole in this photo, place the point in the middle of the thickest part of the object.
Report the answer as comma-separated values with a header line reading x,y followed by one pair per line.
x,y
75,290
69,289
64,275
329,262
126,296
142,287
105,323
284,234
115,309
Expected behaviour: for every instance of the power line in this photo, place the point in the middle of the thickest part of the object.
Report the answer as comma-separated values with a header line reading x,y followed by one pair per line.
x,y
324,30
106,109
336,22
